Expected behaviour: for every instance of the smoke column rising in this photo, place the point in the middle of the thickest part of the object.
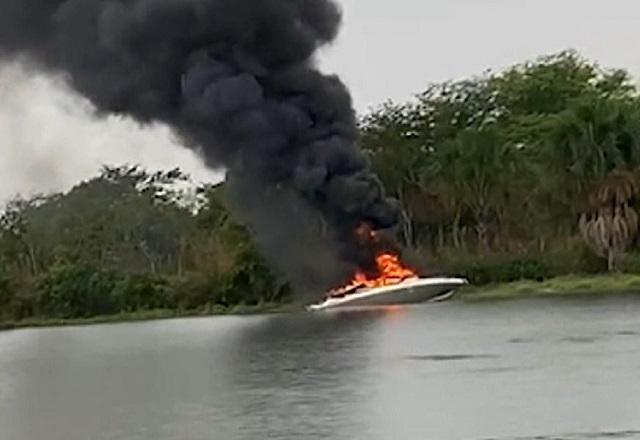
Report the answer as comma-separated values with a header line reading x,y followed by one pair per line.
x,y
236,80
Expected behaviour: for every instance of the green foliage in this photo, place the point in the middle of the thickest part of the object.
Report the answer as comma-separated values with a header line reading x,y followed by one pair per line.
x,y
136,292
501,268
127,242
630,263
549,84
251,282
6,294
504,268
502,163
511,271
196,292
73,291
565,285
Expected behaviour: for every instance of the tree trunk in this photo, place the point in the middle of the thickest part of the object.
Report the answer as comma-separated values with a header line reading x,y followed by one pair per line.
x,y
611,261
483,235
441,236
407,229
542,244
32,260
407,220
181,253
464,238
456,230
149,257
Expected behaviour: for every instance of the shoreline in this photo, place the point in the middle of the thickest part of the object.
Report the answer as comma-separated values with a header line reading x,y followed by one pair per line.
x,y
146,316
608,284
569,285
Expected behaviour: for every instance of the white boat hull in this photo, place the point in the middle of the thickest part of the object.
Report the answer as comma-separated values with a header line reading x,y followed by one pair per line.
x,y
409,292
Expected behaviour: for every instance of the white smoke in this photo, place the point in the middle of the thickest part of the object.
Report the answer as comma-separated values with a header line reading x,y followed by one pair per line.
x,y
50,138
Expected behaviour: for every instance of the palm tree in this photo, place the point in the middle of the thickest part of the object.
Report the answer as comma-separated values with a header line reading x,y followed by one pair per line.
x,y
589,141
477,166
611,223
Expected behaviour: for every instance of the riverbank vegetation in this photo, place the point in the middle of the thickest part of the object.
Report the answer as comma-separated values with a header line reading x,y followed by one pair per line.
x,y
526,174
127,243
568,285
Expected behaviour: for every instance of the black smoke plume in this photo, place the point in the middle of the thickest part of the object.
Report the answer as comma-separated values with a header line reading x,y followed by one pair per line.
x,y
236,80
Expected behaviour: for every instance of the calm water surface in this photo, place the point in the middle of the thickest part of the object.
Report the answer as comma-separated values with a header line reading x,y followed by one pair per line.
x,y
538,369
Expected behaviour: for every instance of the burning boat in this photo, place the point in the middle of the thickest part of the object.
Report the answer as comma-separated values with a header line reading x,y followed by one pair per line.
x,y
396,284
411,291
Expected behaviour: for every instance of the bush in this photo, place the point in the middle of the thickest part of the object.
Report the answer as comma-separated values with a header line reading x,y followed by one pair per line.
x,y
70,290
142,292
252,282
7,297
75,291
500,272
196,292
500,268
6,293
630,263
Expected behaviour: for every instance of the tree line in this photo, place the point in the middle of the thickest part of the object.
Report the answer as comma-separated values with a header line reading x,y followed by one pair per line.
x,y
128,241
536,165
526,173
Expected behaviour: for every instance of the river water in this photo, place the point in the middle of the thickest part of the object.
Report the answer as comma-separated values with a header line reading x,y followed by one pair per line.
x,y
534,369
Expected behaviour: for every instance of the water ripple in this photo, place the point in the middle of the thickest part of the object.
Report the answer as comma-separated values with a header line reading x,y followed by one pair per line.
x,y
450,357
625,435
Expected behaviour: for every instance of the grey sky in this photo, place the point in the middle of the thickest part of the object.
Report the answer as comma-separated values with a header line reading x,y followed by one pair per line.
x,y
387,49
393,48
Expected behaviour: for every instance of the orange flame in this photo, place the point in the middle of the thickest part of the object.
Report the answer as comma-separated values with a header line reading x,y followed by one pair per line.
x,y
392,271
